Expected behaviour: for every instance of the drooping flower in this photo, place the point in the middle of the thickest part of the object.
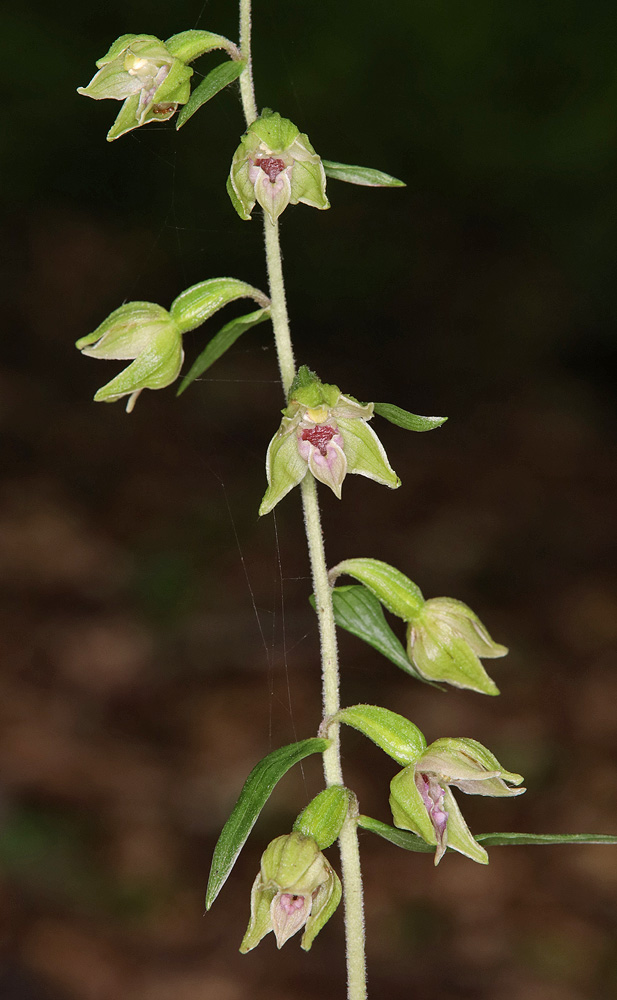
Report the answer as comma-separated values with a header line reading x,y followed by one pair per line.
x,y
140,70
296,887
421,799
327,433
275,165
445,641
144,333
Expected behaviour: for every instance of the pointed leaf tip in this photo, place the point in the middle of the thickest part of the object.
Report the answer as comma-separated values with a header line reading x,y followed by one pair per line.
x,y
363,176
408,421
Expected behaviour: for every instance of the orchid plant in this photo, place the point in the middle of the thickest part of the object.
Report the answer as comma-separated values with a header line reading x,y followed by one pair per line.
x,y
324,434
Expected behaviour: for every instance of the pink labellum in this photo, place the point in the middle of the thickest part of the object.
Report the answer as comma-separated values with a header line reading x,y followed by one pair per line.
x,y
433,797
289,914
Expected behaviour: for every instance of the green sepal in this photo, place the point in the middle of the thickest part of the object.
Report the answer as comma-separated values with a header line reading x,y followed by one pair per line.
x,y
216,80
276,132
393,733
324,816
126,119
324,905
220,343
125,332
364,176
359,612
408,421
156,367
396,592
189,45
121,44
237,204
176,87
195,305
254,795
285,468
365,453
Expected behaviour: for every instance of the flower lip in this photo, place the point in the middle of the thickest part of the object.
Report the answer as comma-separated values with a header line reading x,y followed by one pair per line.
x,y
319,437
271,165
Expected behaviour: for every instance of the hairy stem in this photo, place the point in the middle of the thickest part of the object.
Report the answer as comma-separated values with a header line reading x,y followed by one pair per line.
x,y
348,840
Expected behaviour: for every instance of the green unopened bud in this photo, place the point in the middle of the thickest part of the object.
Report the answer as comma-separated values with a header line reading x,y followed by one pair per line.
x,y
296,887
324,816
421,800
327,433
445,640
140,70
144,332
275,165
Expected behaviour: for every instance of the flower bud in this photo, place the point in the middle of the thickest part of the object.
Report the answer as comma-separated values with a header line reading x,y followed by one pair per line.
x,y
140,70
144,332
296,887
275,165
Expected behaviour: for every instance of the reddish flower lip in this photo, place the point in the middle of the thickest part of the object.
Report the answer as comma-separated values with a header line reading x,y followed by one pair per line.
x,y
319,437
271,165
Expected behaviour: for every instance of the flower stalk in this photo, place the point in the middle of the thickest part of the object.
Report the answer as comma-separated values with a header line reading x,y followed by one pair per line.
x,y
348,839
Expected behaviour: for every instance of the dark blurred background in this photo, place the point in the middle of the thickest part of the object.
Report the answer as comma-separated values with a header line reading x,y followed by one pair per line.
x,y
156,636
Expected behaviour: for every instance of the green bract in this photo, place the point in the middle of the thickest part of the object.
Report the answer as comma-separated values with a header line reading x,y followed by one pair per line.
x,y
422,802
142,331
324,816
326,432
275,165
296,887
141,71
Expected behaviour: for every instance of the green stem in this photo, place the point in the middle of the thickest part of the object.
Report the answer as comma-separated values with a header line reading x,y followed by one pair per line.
x,y
348,840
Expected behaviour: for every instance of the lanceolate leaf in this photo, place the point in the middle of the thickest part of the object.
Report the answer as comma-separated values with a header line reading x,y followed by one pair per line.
x,y
358,611
365,176
216,80
256,792
409,841
196,304
221,342
408,421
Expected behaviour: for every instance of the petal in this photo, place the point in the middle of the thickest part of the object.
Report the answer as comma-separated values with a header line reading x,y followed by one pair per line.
x,y
273,197
127,119
285,468
111,82
260,923
347,406
365,453
288,914
330,468
470,766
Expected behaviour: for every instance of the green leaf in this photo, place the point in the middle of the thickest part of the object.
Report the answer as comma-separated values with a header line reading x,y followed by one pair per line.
x,y
358,611
396,591
521,839
409,841
195,305
216,80
408,421
220,343
393,733
365,176
254,795
189,45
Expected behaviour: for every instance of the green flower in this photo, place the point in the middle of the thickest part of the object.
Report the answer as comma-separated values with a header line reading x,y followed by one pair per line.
x,y
327,433
296,887
275,165
140,70
445,640
421,800
145,333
